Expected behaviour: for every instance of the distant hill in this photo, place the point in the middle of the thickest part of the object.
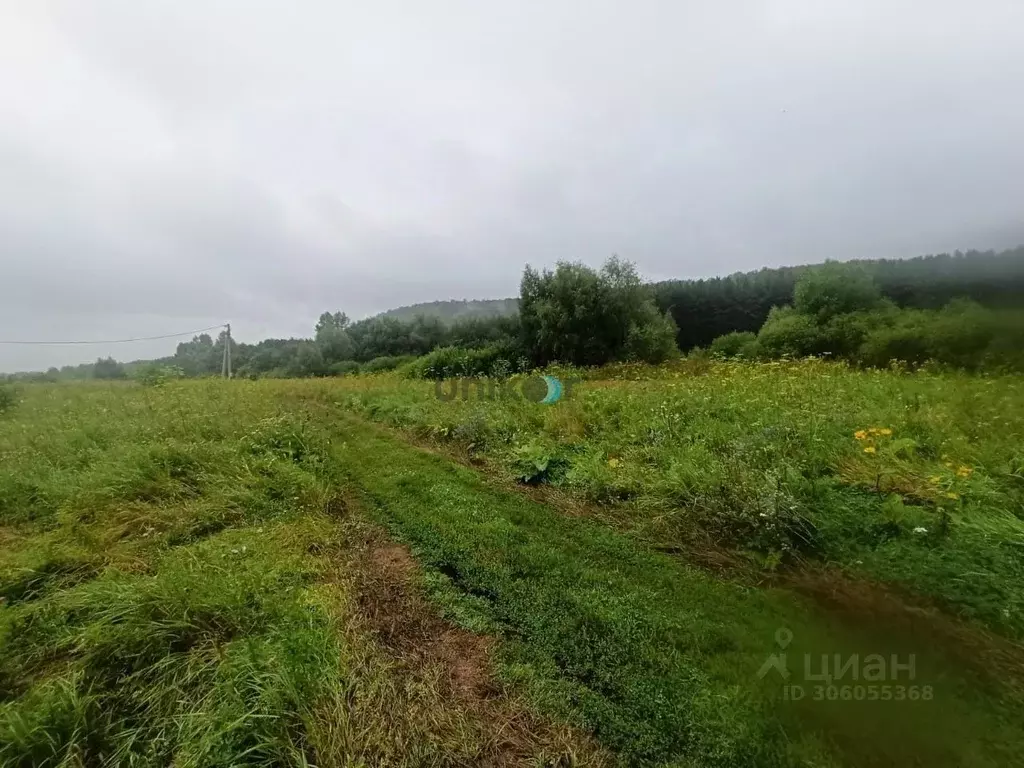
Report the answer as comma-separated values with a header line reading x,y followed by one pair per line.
x,y
461,309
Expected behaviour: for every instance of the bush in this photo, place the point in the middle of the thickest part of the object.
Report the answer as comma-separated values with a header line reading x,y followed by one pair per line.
x,y
498,360
344,368
157,375
904,343
8,397
308,361
652,339
959,333
386,363
788,333
733,344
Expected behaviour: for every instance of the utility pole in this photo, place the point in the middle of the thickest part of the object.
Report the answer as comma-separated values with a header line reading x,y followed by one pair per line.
x,y
225,368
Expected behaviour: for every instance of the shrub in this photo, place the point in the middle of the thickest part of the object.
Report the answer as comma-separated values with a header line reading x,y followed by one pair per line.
x,y
498,360
732,344
905,340
537,462
960,332
788,333
344,368
386,363
652,339
8,397
157,375
308,361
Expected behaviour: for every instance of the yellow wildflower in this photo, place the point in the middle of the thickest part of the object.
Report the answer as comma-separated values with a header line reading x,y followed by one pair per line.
x,y
964,472
935,479
885,431
952,495
613,462
860,434
869,449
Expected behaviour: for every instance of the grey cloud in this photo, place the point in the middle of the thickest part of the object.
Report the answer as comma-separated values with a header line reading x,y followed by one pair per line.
x,y
175,163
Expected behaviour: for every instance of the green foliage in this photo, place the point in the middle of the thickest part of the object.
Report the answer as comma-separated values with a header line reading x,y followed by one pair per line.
x,y
8,397
332,338
308,361
763,458
179,588
337,321
108,368
536,462
335,345
381,364
658,658
584,317
961,335
735,344
651,337
154,375
344,368
182,583
706,309
788,333
497,360
835,289
579,322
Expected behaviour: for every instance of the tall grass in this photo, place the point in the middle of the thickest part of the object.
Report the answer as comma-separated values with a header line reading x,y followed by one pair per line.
x,y
912,478
175,592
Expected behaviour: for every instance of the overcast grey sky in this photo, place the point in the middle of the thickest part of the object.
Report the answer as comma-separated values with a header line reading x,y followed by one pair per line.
x,y
167,165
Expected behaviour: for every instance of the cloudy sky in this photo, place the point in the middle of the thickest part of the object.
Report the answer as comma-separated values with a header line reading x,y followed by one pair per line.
x,y
168,165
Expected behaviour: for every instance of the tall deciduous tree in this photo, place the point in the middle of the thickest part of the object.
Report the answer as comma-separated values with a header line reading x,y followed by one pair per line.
x,y
583,316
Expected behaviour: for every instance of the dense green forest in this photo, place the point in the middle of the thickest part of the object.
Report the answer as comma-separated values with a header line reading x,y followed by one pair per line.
x,y
955,308
838,311
706,309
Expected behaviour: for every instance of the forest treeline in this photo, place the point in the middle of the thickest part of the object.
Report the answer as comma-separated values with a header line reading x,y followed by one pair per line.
x,y
706,309
958,309
455,310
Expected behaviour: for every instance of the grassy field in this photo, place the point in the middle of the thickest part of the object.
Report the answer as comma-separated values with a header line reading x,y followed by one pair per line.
x,y
916,480
183,583
251,573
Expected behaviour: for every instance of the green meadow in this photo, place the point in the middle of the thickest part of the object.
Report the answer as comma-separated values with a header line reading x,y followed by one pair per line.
x,y
354,572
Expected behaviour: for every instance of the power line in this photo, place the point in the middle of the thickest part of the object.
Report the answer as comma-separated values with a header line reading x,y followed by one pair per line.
x,y
119,341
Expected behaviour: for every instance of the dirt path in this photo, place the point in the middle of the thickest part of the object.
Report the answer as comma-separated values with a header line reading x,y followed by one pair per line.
x,y
425,650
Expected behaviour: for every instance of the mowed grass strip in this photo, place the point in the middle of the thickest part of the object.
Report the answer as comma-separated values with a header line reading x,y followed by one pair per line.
x,y
658,659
